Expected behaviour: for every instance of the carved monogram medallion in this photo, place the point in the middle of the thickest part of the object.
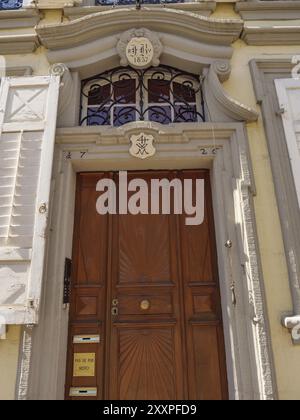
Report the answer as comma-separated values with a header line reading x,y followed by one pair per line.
x,y
142,146
139,52
139,48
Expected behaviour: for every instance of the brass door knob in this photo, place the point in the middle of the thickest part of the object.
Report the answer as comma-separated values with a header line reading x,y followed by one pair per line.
x,y
145,305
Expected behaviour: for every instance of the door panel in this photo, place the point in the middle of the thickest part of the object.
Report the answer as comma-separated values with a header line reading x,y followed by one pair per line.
x,y
146,332
144,239
91,230
89,285
206,362
148,286
147,366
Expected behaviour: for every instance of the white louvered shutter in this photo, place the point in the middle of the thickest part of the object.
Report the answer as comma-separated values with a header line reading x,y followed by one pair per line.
x,y
288,92
28,111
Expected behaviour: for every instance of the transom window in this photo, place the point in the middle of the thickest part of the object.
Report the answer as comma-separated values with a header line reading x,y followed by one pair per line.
x,y
161,94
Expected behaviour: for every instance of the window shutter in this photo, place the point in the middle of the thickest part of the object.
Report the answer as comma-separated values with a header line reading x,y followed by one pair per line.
x,y
28,111
288,91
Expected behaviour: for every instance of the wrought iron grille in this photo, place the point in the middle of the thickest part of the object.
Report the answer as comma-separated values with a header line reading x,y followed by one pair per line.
x,y
161,94
10,4
128,2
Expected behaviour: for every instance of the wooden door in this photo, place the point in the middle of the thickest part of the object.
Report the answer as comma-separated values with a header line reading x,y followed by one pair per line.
x,y
147,285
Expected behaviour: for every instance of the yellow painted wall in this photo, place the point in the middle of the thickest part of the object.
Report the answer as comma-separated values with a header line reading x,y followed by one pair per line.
x,y
286,356
239,85
9,350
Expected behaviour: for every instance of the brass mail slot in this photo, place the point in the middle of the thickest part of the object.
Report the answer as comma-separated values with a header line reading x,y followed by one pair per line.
x,y
82,339
83,392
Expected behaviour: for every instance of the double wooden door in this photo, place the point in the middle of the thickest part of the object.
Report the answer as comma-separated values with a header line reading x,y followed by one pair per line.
x,y
145,316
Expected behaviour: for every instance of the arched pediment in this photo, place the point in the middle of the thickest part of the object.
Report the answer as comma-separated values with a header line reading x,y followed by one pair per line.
x,y
190,41
102,24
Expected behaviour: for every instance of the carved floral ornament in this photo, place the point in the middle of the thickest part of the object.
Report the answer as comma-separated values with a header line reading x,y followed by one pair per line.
x,y
139,48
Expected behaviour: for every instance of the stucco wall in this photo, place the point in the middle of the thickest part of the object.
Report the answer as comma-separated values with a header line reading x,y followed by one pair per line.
x,y
239,85
286,355
9,350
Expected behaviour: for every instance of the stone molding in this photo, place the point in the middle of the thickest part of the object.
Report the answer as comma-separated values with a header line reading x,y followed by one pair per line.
x,y
18,44
69,98
99,25
268,10
19,71
262,24
264,72
271,32
199,7
22,18
24,364
98,56
270,22
221,106
250,376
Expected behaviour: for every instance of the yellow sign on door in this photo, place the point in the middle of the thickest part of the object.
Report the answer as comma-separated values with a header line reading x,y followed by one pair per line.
x,y
84,364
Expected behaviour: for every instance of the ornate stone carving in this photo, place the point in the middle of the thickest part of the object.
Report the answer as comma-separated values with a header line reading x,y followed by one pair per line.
x,y
142,146
66,85
58,69
222,68
134,43
24,363
221,106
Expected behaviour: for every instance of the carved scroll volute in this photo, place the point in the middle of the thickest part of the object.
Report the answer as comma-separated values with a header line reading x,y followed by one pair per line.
x,y
221,106
222,69
66,85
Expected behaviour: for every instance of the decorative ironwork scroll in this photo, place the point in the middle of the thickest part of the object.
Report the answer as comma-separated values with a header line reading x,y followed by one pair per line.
x,y
161,94
10,4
